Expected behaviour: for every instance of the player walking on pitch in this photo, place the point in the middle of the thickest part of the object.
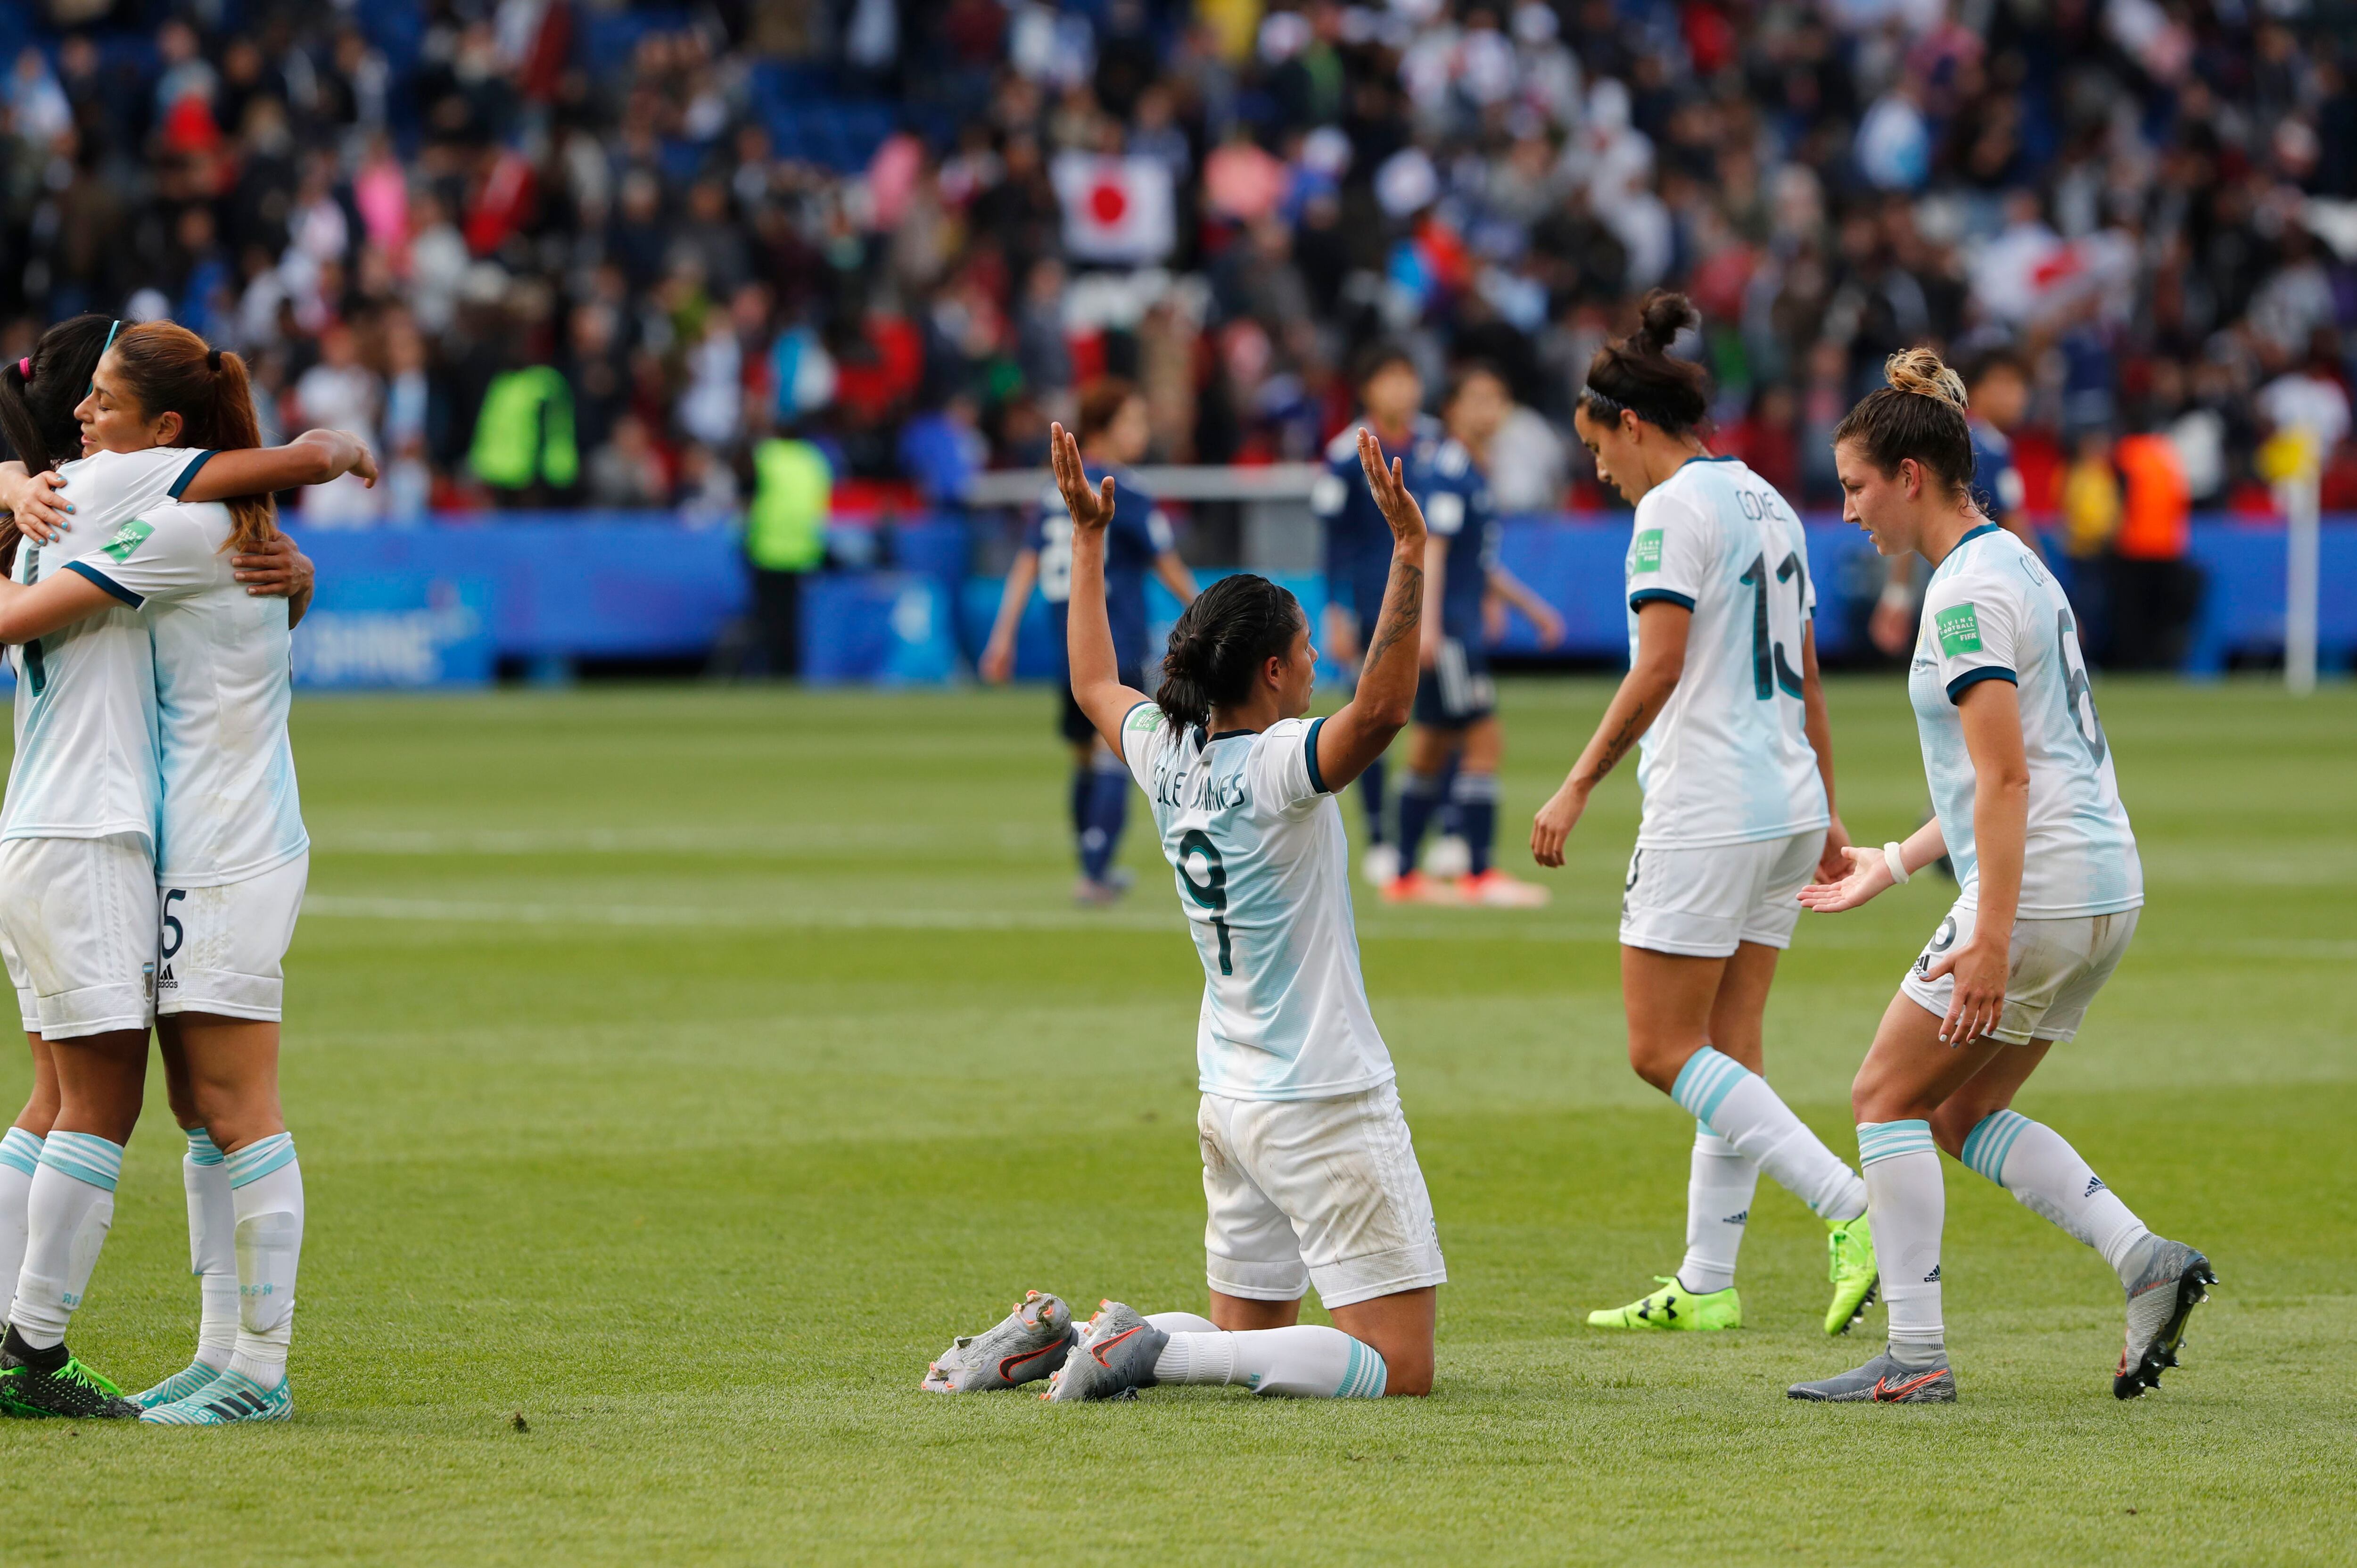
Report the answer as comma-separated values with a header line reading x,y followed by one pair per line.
x,y
1309,1170
1456,701
2028,808
1358,546
1114,435
1736,771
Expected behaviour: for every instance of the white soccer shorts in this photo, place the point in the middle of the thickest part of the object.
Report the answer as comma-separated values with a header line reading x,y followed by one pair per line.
x,y
78,919
220,949
2054,969
1323,1192
1702,903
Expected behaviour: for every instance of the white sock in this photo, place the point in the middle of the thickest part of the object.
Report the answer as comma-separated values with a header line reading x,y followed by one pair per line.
x,y
68,1210
1719,1186
1737,1103
266,1192
1183,1323
20,1156
1304,1362
2046,1175
1907,1205
213,1247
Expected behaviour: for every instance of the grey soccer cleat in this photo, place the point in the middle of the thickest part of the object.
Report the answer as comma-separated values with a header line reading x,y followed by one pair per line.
x,y
1030,1343
2173,1280
1113,1359
1883,1381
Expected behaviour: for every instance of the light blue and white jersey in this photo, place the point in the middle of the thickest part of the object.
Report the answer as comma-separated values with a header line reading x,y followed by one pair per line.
x,y
223,685
1993,612
1727,761
85,764
1262,868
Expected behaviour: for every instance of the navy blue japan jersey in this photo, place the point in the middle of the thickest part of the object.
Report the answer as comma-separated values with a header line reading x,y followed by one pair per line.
x,y
1996,483
1455,495
1137,534
1358,539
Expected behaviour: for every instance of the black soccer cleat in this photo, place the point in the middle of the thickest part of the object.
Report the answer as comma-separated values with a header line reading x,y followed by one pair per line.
x,y
69,1389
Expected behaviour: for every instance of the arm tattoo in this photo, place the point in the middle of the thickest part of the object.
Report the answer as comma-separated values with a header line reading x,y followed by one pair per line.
x,y
1404,614
1618,747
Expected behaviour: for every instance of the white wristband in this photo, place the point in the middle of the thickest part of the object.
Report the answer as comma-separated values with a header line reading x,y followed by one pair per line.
x,y
1895,863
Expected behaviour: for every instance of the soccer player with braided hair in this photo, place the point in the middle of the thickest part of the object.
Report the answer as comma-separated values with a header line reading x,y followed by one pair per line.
x,y
2027,806
1309,1170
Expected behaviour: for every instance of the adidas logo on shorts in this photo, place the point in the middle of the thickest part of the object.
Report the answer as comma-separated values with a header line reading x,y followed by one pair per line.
x,y
1933,1277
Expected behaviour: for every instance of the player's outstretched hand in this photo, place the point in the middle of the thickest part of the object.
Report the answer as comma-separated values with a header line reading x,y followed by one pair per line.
x,y
1389,486
1554,824
1977,1003
1867,875
1091,509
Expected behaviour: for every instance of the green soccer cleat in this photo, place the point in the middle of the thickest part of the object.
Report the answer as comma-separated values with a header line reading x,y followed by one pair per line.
x,y
1849,1263
192,1379
231,1397
1674,1306
73,1392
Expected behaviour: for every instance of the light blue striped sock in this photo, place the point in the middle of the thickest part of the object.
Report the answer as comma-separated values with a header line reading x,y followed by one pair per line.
x,y
1880,1140
85,1156
1738,1105
20,1149
202,1150
1707,1078
1986,1145
1364,1377
259,1158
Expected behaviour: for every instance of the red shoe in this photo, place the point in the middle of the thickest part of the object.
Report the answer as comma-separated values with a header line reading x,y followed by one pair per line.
x,y
1493,889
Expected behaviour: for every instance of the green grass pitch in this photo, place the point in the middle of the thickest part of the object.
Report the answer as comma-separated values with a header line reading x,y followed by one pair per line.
x,y
678,1071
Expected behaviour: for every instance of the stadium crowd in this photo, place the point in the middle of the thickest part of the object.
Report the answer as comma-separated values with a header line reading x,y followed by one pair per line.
x,y
549,253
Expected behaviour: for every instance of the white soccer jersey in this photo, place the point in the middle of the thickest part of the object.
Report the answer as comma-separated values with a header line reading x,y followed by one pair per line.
x,y
1992,613
1262,869
223,685
85,764
1727,761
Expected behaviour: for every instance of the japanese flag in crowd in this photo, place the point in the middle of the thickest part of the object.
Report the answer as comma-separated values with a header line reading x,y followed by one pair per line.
x,y
1115,208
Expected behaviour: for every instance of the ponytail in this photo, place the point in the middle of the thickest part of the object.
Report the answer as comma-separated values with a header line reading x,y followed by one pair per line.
x,y
1220,644
168,368
1918,416
1638,374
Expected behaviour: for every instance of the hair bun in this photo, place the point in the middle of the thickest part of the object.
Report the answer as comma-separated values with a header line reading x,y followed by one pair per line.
x,y
1662,317
1921,370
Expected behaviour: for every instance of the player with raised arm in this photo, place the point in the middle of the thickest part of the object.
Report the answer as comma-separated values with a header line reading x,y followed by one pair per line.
x,y
2049,884
79,901
1114,435
1456,701
1309,1170
1736,767
1358,547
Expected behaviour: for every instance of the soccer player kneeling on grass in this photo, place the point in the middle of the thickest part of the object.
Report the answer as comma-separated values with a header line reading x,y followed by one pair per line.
x,y
1307,1166
2028,808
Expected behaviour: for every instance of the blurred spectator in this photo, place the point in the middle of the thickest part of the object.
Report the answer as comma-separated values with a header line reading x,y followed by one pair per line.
x,y
626,471
727,220
2154,589
341,393
785,539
